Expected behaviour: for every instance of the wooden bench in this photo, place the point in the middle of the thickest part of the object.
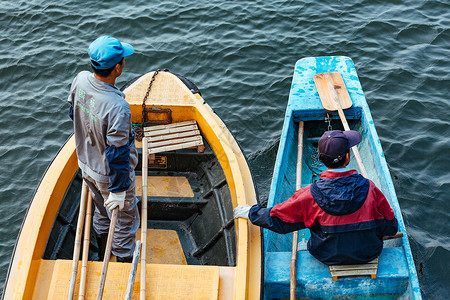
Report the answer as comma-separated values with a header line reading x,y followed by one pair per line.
x,y
369,269
176,136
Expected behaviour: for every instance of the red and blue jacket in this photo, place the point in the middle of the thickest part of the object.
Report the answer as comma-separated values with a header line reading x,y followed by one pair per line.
x,y
345,212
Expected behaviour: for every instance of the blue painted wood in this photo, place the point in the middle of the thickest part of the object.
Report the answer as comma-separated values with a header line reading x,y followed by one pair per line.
x,y
314,280
304,105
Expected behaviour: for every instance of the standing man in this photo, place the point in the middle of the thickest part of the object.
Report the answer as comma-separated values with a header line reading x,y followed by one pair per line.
x,y
105,145
345,212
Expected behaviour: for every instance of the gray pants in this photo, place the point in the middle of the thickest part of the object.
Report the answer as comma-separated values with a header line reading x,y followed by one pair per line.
x,y
127,221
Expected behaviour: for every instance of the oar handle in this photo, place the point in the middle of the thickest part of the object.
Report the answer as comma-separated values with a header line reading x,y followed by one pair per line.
x,y
76,249
395,236
86,241
133,270
112,227
293,279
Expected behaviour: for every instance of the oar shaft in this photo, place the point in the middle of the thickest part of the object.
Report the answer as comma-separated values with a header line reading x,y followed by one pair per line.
x,y
133,270
293,280
112,227
144,216
337,103
298,185
354,148
86,241
76,249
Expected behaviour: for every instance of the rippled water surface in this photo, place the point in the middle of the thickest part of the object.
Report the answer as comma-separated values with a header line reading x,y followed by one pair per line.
x,y
241,54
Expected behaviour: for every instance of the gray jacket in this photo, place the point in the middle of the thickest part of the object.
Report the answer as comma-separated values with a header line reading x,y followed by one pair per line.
x,y
103,134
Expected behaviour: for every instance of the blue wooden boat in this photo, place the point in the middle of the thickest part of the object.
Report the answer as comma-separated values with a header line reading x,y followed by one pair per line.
x,y
396,276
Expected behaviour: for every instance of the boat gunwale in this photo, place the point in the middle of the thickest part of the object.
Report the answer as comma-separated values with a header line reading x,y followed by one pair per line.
x,y
26,214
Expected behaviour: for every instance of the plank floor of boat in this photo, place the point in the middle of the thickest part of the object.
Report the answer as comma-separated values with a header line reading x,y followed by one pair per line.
x,y
165,186
162,281
163,247
168,275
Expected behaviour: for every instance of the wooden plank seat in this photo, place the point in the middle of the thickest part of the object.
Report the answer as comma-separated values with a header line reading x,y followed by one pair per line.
x,y
369,269
175,136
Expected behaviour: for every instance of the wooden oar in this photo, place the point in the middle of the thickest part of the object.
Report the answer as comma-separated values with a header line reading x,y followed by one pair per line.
x,y
86,241
144,215
298,186
112,227
134,264
335,97
76,249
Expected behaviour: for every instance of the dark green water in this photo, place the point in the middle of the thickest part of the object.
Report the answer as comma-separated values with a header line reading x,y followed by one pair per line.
x,y
241,55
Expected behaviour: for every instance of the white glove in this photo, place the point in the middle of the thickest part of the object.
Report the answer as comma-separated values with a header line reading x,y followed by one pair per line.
x,y
241,211
115,199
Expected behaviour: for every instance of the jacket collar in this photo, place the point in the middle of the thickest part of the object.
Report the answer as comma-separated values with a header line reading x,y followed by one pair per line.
x,y
331,174
104,86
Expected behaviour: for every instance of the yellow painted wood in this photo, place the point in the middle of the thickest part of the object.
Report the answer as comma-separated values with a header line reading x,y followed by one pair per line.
x,y
163,247
169,92
165,186
38,223
43,280
227,286
162,281
326,83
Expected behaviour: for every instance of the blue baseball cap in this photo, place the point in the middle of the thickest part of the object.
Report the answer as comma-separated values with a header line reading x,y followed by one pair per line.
x,y
106,52
336,143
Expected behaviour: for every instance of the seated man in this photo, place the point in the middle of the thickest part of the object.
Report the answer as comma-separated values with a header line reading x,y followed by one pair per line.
x,y
345,212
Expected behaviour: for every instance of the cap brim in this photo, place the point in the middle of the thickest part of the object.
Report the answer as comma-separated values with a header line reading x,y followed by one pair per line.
x,y
354,137
127,49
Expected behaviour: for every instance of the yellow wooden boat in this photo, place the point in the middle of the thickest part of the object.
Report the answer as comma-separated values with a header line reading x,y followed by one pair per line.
x,y
195,249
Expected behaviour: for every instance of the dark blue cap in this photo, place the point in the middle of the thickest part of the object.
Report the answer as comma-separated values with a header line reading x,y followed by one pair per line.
x,y
106,52
336,144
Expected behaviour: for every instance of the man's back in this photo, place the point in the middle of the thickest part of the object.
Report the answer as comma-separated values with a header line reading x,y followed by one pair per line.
x,y
101,117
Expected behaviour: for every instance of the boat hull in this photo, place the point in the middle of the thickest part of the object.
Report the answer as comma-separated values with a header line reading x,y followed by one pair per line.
x,y
40,259
397,277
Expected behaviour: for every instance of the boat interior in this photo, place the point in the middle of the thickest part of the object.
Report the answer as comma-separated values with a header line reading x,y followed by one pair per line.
x,y
191,234
194,246
314,278
190,211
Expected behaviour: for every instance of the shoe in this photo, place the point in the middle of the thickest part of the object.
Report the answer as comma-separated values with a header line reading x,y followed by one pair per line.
x,y
126,259
101,242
